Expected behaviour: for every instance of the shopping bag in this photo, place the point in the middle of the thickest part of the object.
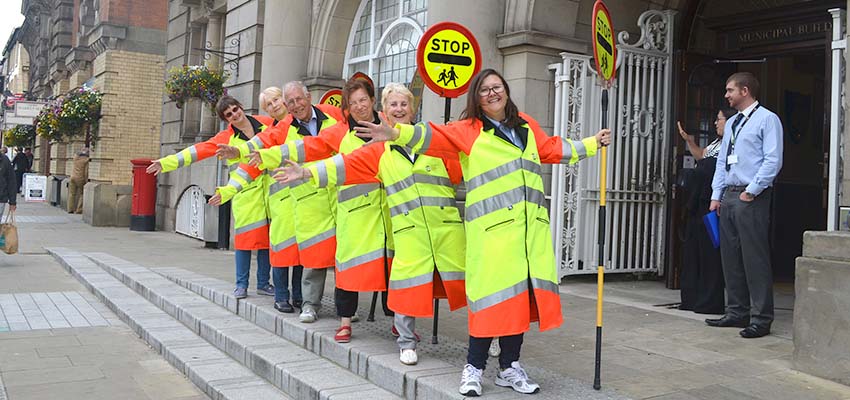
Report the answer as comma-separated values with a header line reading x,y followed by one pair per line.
x,y
712,225
9,235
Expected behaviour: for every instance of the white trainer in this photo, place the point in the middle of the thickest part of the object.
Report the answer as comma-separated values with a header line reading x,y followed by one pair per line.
x,y
495,350
470,381
408,357
516,378
308,315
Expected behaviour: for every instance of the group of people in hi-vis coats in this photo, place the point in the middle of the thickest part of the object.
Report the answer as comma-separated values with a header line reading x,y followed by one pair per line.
x,y
372,195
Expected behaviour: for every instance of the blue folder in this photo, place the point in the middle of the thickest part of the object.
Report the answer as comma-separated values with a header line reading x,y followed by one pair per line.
x,y
712,225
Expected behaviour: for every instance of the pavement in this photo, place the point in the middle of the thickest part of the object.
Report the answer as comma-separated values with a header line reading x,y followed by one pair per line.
x,y
650,351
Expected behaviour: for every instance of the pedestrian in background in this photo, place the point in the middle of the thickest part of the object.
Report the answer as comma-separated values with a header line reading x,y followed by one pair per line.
x,y
7,186
79,177
750,157
22,165
511,276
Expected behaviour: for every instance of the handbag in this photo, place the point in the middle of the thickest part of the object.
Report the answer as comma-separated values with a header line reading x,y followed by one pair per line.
x,y
9,234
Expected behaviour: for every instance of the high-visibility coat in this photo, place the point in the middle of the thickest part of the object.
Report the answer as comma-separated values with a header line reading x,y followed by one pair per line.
x,y
250,208
427,230
508,238
314,216
364,251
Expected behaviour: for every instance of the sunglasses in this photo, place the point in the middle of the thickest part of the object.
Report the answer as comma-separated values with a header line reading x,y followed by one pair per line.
x,y
230,113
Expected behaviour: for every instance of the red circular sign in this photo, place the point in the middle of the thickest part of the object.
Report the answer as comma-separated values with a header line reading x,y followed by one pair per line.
x,y
449,51
361,75
332,97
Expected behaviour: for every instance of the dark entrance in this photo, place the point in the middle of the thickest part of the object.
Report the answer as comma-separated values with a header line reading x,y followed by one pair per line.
x,y
786,47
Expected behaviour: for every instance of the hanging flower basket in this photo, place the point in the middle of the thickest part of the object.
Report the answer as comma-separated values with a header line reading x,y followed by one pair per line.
x,y
20,135
196,81
71,115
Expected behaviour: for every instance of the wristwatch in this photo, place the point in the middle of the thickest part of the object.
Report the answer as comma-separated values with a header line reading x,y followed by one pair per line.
x,y
749,195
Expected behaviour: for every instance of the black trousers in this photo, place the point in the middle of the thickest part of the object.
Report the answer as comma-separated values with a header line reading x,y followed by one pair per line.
x,y
702,274
745,250
478,347
346,302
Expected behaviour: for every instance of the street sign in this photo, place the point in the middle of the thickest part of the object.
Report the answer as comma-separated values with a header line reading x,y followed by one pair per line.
x,y
604,48
416,86
448,57
10,118
35,188
28,108
332,97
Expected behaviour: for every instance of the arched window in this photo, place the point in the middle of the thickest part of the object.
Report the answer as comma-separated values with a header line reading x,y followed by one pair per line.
x,y
383,40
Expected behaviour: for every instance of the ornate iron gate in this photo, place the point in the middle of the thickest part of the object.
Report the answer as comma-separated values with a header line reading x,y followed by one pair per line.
x,y
640,115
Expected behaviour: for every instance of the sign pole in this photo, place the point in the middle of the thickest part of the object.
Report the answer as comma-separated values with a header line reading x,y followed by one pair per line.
x,y
434,340
605,55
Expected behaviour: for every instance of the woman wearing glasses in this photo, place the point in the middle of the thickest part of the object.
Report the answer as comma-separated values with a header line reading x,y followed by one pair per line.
x,y
250,208
511,278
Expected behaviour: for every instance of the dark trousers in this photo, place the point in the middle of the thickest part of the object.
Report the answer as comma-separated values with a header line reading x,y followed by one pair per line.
x,y
745,251
478,347
346,302
702,275
19,177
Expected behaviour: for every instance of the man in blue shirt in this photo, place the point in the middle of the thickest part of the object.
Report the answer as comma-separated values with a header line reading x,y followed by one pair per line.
x,y
750,158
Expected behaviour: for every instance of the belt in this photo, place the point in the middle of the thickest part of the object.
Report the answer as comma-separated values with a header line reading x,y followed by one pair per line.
x,y
732,188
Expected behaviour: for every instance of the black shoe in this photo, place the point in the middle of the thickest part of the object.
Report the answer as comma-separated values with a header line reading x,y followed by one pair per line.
x,y
284,307
726,322
297,303
755,331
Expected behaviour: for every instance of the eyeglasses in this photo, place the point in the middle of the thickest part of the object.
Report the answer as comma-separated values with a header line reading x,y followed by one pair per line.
x,y
484,92
230,113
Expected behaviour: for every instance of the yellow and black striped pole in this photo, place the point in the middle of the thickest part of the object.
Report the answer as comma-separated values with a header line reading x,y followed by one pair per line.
x,y
600,271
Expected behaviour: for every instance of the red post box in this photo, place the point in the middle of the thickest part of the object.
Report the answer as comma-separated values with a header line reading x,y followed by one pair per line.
x,y
143,211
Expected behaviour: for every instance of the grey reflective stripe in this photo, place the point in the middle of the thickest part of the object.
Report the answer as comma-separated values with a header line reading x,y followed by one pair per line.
x,y
316,239
193,152
250,144
502,170
363,259
232,167
276,187
300,151
422,201
284,244
356,191
417,178
581,150
244,175
566,151
251,227
452,276
236,184
181,161
284,154
543,284
322,172
297,184
340,169
412,282
390,253
417,135
502,200
498,297
426,141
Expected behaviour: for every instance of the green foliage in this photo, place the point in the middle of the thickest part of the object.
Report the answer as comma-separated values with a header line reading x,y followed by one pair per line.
x,y
71,115
196,81
20,135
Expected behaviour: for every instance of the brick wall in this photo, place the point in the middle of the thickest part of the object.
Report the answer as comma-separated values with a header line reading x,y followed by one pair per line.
x,y
132,84
145,14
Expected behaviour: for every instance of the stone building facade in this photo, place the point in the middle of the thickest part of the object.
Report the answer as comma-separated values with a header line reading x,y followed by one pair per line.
x,y
114,46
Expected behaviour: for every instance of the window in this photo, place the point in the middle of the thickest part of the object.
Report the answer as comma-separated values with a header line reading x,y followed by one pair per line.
x,y
383,41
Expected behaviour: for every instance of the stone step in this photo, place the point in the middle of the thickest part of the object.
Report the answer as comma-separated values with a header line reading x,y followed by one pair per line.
x,y
211,370
278,363
834,245
373,353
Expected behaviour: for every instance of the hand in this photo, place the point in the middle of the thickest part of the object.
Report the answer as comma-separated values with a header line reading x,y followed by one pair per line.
x,y
683,134
746,197
603,137
13,207
377,133
215,200
255,160
227,151
715,205
155,168
291,172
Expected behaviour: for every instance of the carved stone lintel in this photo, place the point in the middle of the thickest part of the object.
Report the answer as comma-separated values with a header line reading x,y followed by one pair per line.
x,y
78,58
106,37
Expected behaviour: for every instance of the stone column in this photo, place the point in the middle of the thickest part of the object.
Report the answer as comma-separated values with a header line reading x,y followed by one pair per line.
x,y
209,122
286,41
